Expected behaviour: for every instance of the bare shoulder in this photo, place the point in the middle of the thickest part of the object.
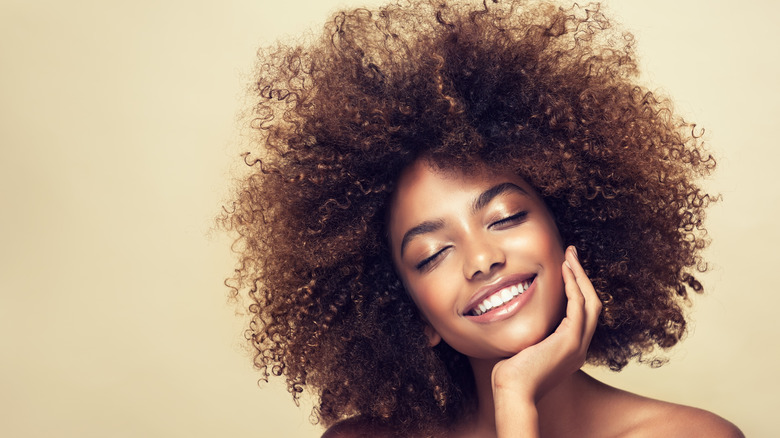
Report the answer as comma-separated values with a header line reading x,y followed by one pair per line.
x,y
647,417
357,427
673,420
624,414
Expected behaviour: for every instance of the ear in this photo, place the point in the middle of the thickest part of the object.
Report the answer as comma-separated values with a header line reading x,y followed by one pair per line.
x,y
433,336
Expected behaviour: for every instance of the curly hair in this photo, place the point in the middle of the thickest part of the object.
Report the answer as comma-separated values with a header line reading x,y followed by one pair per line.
x,y
550,92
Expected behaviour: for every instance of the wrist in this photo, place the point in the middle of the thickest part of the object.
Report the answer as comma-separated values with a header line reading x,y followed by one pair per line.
x,y
513,388
513,396
516,414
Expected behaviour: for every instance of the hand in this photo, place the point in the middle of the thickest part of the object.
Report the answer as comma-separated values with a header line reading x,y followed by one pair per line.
x,y
520,381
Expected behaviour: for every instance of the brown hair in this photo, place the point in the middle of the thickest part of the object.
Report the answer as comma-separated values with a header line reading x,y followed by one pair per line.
x,y
550,92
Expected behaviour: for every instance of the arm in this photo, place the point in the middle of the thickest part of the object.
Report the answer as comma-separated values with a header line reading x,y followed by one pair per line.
x,y
520,381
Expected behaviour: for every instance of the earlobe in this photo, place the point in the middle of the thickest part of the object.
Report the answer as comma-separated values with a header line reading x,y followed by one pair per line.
x,y
433,336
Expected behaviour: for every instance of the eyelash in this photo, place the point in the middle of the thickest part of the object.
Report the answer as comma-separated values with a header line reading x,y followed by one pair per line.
x,y
423,264
513,219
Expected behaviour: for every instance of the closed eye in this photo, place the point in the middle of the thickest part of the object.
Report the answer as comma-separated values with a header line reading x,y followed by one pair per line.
x,y
509,221
426,263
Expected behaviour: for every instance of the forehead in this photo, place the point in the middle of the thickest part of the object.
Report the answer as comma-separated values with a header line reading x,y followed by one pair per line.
x,y
424,180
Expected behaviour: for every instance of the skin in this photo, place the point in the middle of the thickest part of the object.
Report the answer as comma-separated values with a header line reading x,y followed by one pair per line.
x,y
510,236
458,236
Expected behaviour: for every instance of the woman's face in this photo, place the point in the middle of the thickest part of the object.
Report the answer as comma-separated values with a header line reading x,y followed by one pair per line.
x,y
481,257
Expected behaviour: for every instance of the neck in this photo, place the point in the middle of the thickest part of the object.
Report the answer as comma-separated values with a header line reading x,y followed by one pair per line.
x,y
562,407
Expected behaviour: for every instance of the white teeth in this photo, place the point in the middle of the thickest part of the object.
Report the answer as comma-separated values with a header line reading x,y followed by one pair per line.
x,y
502,297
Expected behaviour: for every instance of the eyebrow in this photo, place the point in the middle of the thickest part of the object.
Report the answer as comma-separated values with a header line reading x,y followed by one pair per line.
x,y
484,199
423,228
481,202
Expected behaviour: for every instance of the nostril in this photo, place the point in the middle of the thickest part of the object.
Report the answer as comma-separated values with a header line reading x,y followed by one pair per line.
x,y
489,271
482,258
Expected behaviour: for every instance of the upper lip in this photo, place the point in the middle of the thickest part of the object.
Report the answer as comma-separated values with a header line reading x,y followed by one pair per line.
x,y
490,289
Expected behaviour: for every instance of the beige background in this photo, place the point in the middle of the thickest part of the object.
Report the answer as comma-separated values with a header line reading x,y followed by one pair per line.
x,y
118,138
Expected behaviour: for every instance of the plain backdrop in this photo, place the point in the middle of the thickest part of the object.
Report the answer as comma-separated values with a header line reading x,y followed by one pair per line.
x,y
118,144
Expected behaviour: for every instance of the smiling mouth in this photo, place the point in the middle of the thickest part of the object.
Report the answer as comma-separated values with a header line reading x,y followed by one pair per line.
x,y
501,297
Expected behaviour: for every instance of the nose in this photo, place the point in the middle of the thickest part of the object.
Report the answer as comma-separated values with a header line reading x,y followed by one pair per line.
x,y
482,258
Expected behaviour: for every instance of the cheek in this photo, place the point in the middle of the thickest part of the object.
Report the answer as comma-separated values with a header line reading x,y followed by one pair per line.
x,y
550,240
428,297
539,240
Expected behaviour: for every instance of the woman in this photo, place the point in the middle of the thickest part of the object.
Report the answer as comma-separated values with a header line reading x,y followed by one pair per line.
x,y
408,235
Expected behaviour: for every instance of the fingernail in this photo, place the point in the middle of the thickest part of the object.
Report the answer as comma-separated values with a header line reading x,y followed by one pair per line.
x,y
567,264
575,252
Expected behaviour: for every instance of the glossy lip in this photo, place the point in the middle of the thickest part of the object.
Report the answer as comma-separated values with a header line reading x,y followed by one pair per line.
x,y
507,310
490,289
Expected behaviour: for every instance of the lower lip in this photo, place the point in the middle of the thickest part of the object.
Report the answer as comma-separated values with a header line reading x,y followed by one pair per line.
x,y
505,310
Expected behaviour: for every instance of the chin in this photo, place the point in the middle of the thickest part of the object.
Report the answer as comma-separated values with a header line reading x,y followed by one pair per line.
x,y
513,343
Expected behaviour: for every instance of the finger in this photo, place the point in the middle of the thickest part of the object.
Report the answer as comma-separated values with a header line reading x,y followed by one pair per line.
x,y
579,274
575,305
592,301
